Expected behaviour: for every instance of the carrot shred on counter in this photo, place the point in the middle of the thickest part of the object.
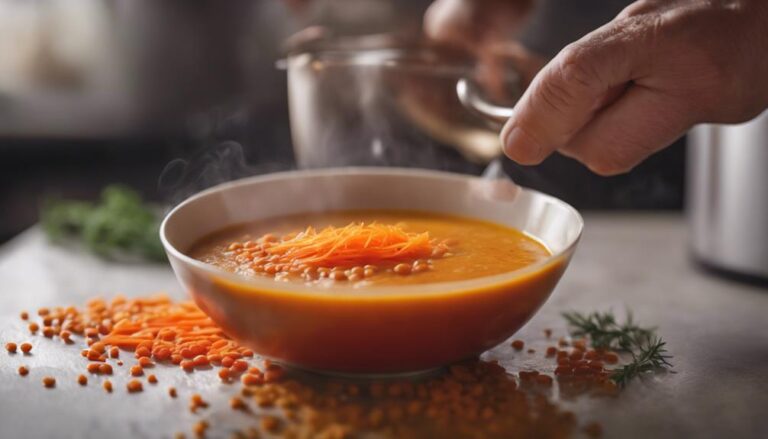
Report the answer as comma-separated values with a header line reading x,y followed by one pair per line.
x,y
353,244
155,327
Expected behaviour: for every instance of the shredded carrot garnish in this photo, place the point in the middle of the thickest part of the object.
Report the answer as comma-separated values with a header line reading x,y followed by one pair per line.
x,y
353,244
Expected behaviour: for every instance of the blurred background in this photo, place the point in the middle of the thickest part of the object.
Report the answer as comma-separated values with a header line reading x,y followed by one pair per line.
x,y
171,96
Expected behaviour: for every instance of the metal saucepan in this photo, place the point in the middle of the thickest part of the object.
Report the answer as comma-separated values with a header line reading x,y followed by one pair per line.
x,y
377,101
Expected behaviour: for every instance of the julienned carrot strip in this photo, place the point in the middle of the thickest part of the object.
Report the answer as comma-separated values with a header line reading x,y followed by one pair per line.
x,y
352,244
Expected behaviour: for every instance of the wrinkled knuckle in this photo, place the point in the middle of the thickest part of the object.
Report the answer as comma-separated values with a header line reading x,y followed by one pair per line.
x,y
575,66
555,95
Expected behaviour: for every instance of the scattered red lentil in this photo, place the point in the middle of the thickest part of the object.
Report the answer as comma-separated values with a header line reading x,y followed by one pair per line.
x,y
152,379
134,386
197,402
200,428
24,315
33,327
237,404
240,365
114,352
10,347
251,379
547,332
26,348
270,423
49,382
82,380
108,386
105,369
23,370
518,345
137,370
476,399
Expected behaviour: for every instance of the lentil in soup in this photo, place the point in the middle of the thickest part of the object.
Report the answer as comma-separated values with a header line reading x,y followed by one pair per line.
x,y
369,247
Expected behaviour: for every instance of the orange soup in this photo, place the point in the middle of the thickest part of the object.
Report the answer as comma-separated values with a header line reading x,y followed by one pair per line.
x,y
370,248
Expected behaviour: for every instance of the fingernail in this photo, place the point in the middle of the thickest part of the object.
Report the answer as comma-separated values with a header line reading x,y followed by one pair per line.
x,y
521,148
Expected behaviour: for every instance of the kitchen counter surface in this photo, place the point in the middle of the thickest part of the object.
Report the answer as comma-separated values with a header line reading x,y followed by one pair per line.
x,y
716,330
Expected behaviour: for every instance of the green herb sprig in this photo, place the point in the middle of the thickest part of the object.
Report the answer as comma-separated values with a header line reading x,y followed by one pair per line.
x,y
648,350
119,225
650,356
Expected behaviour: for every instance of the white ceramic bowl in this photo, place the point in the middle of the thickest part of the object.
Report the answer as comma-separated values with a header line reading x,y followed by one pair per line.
x,y
378,329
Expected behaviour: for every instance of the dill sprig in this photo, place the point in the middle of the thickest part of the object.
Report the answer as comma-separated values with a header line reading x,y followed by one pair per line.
x,y
648,350
604,332
650,356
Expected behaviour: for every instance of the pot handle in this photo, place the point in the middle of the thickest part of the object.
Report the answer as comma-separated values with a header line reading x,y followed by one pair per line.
x,y
471,98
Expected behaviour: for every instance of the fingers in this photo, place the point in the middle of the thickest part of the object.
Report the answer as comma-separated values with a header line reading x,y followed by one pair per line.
x,y
641,122
471,24
568,92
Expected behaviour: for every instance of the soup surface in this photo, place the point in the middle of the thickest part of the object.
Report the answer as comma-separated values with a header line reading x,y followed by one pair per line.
x,y
456,248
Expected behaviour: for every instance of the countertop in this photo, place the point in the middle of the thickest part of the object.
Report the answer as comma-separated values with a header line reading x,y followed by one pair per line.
x,y
716,330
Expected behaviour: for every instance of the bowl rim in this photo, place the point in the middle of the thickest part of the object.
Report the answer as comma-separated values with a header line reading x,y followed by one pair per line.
x,y
337,291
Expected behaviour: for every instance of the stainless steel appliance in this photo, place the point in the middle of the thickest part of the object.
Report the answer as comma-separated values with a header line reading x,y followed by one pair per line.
x,y
728,197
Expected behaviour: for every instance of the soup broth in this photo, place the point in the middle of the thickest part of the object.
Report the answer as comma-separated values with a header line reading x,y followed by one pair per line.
x,y
461,248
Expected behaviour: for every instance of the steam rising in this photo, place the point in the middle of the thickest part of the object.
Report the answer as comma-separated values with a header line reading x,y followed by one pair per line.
x,y
220,163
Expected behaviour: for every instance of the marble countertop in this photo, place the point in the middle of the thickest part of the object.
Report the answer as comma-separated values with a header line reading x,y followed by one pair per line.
x,y
716,330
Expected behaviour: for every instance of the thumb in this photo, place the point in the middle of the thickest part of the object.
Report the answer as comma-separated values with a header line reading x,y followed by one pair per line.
x,y
568,92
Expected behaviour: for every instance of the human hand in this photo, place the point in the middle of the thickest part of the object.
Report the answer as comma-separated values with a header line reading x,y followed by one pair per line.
x,y
633,86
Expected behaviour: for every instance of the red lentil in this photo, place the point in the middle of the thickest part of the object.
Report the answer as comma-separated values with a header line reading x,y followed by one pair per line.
x,y
24,315
172,392
237,404
518,345
26,348
108,386
49,382
240,365
105,369
200,428
152,379
23,370
134,386
611,358
33,327
270,423
251,379
10,347
82,380
137,370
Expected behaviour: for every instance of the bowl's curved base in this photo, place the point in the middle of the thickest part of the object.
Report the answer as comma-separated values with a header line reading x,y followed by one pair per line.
x,y
418,374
